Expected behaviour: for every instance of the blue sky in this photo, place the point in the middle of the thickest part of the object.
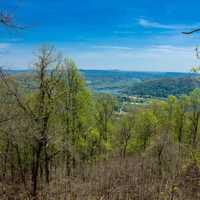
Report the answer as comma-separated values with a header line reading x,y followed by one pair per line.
x,y
142,35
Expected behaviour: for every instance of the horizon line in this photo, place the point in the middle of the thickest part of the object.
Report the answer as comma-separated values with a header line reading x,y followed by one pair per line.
x,y
95,69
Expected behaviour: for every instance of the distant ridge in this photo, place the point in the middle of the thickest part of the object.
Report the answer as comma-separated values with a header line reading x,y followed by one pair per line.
x,y
158,84
119,74
164,87
133,74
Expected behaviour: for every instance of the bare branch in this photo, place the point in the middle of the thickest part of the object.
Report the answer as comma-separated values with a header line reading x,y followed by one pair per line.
x,y
13,90
7,20
191,32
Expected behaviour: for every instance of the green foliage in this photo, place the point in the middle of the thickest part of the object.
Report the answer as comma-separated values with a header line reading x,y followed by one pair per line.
x,y
164,87
105,106
59,125
146,127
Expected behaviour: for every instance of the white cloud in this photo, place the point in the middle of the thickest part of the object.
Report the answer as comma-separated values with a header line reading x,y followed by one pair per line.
x,y
153,24
147,58
4,45
150,58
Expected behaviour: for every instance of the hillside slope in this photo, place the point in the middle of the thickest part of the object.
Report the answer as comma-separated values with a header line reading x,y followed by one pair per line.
x,y
164,87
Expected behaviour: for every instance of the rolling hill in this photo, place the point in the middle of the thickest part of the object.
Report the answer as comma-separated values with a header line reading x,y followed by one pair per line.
x,y
164,87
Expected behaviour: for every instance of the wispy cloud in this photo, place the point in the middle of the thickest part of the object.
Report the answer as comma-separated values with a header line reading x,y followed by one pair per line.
x,y
107,56
4,45
149,58
153,24
112,47
4,48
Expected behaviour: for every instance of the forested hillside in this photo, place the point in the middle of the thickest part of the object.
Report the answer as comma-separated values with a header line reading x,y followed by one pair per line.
x,y
164,87
57,141
155,84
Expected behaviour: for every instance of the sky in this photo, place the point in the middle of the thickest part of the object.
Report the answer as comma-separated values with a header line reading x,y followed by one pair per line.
x,y
136,35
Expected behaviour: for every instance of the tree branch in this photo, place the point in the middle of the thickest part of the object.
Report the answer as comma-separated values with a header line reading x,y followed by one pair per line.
x,y
191,32
8,21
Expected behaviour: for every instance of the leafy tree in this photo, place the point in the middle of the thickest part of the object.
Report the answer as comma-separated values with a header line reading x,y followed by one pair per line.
x,y
181,109
105,107
74,109
194,116
126,132
146,127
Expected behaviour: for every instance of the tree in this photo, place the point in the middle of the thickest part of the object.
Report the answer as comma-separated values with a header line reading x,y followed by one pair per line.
x,y
37,110
126,132
146,127
194,116
181,109
42,109
105,106
75,104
